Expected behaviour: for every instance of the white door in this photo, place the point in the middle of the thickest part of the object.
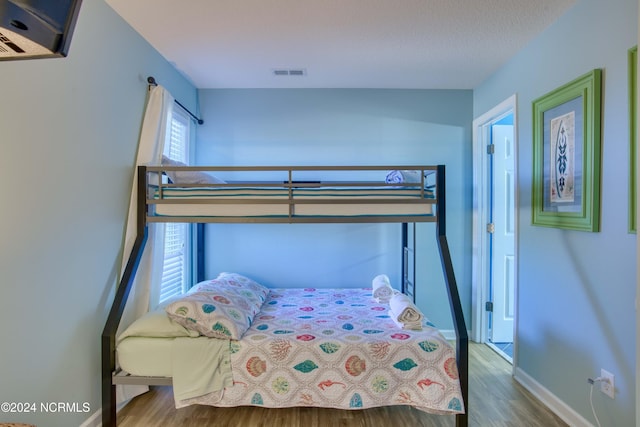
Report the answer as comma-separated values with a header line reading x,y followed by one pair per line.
x,y
503,234
495,255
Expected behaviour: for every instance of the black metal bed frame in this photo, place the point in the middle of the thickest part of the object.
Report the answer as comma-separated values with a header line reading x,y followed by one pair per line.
x,y
113,320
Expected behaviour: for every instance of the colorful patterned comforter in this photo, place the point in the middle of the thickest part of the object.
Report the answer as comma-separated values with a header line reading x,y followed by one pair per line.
x,y
337,348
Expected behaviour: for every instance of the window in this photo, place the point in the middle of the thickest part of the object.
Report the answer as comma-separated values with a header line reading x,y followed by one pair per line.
x,y
176,271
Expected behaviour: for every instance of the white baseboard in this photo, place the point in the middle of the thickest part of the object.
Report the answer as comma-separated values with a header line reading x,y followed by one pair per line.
x,y
556,405
95,420
124,395
449,334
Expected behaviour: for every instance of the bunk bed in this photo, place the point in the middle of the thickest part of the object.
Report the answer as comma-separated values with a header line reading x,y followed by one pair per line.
x,y
294,200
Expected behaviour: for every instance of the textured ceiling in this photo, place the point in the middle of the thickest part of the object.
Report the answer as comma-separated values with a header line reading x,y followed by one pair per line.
x,y
415,44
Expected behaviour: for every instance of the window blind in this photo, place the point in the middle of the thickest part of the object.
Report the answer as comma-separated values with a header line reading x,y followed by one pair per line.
x,y
175,268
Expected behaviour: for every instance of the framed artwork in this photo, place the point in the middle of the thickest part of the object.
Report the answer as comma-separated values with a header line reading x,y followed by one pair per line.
x,y
567,155
633,136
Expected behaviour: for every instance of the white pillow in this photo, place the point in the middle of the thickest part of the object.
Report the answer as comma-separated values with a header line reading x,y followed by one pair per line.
x,y
156,324
189,177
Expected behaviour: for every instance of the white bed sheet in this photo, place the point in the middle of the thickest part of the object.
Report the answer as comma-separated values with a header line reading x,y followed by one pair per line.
x,y
145,356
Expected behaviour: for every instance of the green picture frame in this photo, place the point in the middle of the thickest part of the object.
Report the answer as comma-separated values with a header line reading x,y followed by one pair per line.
x,y
567,155
633,135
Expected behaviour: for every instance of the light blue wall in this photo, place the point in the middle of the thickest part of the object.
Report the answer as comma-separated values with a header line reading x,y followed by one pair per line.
x,y
341,127
74,122
577,290
68,132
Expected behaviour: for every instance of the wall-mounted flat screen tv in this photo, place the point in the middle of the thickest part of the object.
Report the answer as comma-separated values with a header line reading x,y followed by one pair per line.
x,y
36,28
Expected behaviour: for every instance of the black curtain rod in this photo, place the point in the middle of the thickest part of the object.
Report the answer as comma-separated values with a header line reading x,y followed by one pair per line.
x,y
152,82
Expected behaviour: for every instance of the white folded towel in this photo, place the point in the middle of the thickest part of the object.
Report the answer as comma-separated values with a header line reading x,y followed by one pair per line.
x,y
403,176
404,312
414,326
382,290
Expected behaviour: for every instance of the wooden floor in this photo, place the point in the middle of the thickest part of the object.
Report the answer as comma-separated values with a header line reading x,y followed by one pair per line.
x,y
495,400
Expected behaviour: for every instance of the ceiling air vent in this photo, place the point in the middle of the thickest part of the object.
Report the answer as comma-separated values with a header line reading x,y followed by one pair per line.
x,y
289,72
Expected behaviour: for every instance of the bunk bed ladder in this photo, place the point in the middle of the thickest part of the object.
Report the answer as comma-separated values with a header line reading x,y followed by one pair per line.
x,y
408,261
108,341
462,339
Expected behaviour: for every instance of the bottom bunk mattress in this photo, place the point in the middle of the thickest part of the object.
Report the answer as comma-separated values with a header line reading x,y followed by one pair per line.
x,y
334,348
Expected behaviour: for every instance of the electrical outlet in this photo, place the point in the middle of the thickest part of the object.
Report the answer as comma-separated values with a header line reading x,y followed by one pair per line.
x,y
607,385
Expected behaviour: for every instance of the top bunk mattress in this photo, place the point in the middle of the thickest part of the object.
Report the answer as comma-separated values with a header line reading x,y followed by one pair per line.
x,y
296,202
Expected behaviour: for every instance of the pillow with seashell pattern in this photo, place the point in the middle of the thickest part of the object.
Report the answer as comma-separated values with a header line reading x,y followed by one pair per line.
x,y
246,286
220,308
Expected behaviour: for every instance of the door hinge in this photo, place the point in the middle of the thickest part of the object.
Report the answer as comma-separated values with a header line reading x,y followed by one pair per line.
x,y
488,306
491,148
491,228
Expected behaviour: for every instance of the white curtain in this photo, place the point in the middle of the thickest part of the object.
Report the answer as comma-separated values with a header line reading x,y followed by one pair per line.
x,y
155,126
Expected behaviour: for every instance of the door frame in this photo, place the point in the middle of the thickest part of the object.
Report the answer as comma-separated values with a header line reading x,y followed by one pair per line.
x,y
481,208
